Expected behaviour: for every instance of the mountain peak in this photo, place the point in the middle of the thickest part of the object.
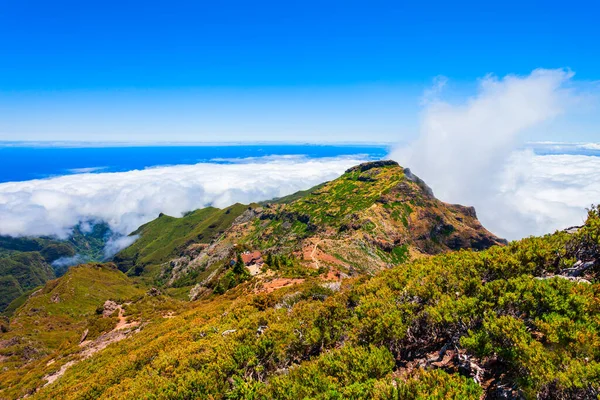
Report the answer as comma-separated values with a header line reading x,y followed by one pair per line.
x,y
374,216
372,164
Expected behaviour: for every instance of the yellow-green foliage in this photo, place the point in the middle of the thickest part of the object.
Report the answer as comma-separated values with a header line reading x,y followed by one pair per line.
x,y
540,336
53,319
353,191
426,385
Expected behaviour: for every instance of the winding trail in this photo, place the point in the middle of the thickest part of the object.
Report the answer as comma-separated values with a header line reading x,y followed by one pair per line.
x,y
312,254
121,331
123,324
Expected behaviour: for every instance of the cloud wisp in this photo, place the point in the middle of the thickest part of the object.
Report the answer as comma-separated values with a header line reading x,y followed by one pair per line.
x,y
127,200
469,153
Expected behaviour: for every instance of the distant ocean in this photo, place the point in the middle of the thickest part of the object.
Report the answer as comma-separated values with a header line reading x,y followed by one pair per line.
x,y
21,163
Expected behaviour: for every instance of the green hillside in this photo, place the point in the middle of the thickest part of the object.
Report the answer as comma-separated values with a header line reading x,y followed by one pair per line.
x,y
25,264
20,272
503,323
50,322
165,237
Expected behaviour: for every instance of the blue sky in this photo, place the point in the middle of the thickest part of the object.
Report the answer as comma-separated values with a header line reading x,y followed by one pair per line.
x,y
285,71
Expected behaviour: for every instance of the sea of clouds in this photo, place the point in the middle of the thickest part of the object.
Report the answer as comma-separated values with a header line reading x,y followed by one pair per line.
x,y
126,200
471,152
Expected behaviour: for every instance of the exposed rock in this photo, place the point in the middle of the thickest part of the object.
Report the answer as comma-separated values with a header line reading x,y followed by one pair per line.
x,y
413,178
569,278
109,308
372,164
467,210
194,249
9,342
197,291
469,367
333,286
261,329
153,292
504,392
578,268
84,335
248,215
572,229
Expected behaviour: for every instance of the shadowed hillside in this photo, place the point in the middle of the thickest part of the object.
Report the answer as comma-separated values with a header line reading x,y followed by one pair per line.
x,y
28,262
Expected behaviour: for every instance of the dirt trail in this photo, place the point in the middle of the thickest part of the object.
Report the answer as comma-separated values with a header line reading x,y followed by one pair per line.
x,y
123,324
312,254
122,330
53,377
278,283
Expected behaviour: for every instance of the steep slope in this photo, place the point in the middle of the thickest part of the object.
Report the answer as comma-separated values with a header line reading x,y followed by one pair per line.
x,y
165,237
21,272
510,322
25,264
374,216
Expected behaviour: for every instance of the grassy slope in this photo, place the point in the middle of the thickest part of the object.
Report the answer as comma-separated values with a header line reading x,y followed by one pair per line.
x,y
166,236
539,336
50,322
67,300
335,201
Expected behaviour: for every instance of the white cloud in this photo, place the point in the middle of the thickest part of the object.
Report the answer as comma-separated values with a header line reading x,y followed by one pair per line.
x,y
127,200
539,194
86,170
117,243
590,146
68,261
468,154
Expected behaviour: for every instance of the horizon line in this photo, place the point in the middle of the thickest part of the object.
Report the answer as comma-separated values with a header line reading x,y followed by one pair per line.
x,y
140,143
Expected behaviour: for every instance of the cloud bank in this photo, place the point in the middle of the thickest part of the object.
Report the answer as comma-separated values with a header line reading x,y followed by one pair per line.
x,y
468,153
127,200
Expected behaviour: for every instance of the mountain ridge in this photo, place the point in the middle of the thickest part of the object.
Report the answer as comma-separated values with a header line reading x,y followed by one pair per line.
x,y
377,206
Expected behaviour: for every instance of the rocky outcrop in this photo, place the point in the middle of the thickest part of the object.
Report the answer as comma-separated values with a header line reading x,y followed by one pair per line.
x,y
413,178
372,164
109,308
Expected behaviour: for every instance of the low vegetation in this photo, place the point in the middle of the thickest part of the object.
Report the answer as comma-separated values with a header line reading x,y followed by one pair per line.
x,y
501,322
513,321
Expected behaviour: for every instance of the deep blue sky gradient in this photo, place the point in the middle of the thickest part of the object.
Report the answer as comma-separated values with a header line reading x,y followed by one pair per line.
x,y
77,70
62,45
